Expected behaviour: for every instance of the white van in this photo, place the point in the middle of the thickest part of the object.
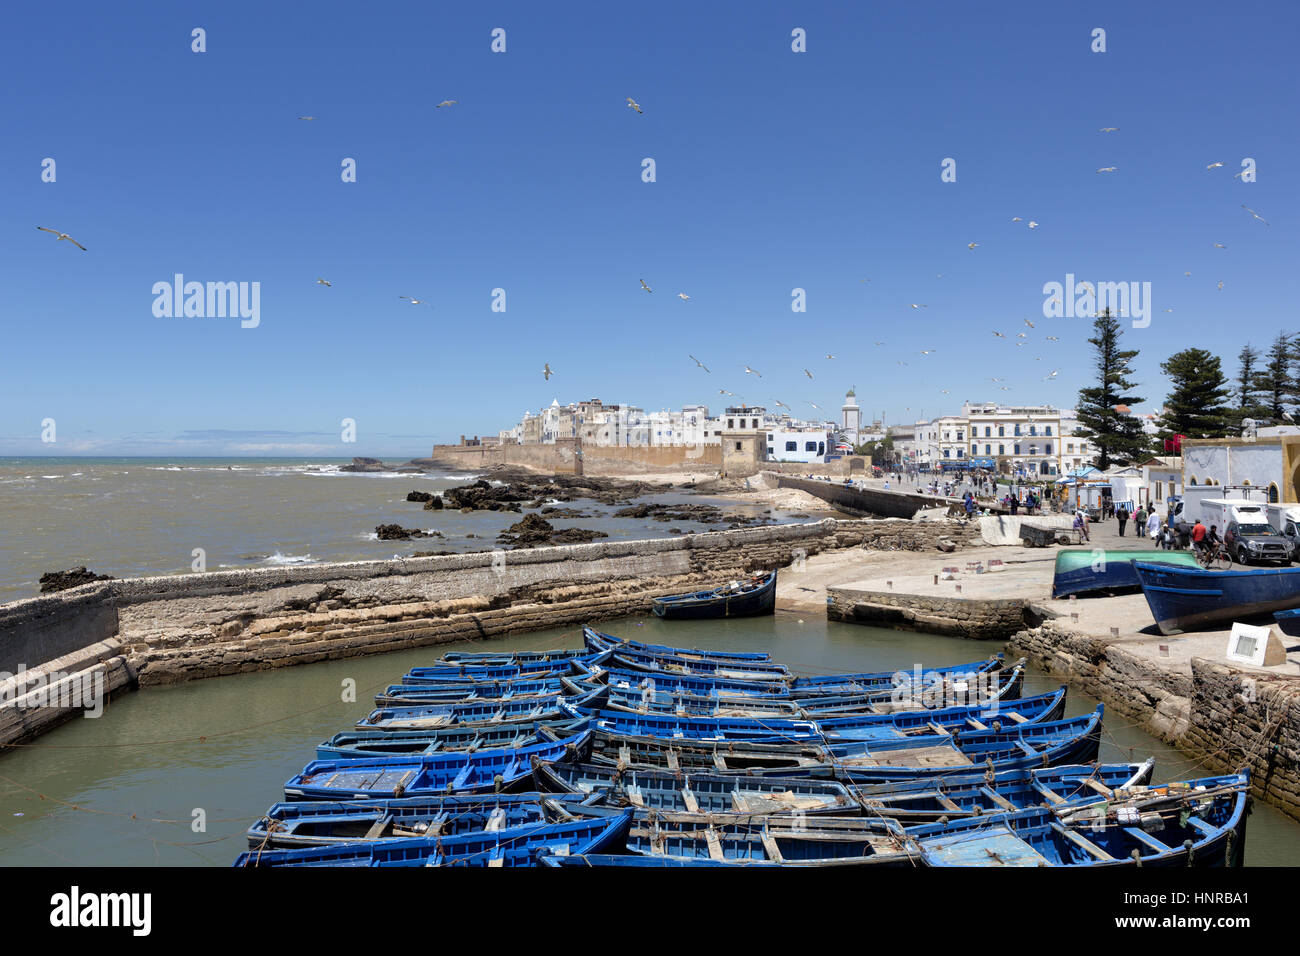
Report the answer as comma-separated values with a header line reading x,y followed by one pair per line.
x,y
1285,519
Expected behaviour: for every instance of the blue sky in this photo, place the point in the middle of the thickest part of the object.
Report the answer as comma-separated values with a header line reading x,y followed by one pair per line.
x,y
775,170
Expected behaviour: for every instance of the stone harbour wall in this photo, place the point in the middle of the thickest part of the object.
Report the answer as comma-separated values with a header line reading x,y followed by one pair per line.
x,y
976,618
1226,717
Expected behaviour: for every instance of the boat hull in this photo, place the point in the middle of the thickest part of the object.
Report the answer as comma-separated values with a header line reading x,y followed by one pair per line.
x,y
1086,571
1185,599
716,603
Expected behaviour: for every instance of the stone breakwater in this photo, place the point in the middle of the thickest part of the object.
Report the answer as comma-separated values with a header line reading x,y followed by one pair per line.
x,y
1226,717
169,629
977,618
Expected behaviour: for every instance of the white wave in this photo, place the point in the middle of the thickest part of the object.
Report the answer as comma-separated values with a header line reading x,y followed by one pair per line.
x,y
279,558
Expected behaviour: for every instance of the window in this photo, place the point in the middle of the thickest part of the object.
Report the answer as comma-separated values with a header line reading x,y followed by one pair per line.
x,y
1002,449
1272,492
961,452
755,425
1033,429
821,448
945,453
988,449
810,446
1159,497
792,446
961,436
1017,431
1191,480
731,423
987,431
737,446
1002,431
770,451
1017,451
1047,449
770,438
1047,430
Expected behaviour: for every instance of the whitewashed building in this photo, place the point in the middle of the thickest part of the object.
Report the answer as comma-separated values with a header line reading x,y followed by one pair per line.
x,y
1021,440
801,445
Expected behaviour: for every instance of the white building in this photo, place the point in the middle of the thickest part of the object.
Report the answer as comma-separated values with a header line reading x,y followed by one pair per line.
x,y
851,419
802,445
1162,478
1021,440
1239,461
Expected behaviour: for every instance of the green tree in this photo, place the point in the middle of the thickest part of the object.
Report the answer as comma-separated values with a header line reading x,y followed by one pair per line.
x,y
1247,399
1276,383
1117,435
1197,404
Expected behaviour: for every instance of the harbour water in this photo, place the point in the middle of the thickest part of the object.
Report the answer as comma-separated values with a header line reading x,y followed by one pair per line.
x,y
135,516
133,787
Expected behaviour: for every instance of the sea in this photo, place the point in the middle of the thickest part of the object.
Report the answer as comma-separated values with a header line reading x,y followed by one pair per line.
x,y
128,517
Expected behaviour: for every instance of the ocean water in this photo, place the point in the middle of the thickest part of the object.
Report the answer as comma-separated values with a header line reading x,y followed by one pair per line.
x,y
174,776
135,516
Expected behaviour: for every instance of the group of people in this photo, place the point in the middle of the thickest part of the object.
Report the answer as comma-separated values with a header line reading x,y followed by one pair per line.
x,y
1144,520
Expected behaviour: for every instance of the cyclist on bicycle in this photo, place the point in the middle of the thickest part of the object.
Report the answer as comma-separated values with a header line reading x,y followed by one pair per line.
x,y
1198,536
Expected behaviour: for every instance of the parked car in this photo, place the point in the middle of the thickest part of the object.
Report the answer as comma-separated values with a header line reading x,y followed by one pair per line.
x,y
1256,541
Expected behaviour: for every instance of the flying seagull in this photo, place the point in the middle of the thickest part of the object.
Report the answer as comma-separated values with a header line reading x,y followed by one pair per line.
x,y
413,301
916,305
698,362
1028,323
62,236
1108,169
323,282
1052,375
683,296
308,118
445,103
880,343
546,371
1032,224
1220,285
646,287
1255,214
808,373
1109,129
927,351
1219,245
633,104
830,356
999,335
1053,338
1016,219
1240,174
750,371
1214,165
971,245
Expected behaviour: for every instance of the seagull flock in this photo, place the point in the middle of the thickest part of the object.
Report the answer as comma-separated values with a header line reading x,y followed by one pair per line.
x,y
971,246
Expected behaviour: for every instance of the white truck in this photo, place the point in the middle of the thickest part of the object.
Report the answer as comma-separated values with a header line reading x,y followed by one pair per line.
x,y
1244,530
1190,508
1285,519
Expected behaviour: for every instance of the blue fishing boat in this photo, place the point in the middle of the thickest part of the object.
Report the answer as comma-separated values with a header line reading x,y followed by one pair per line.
x,y
402,694
1092,570
818,685
473,673
516,846
670,727
1288,621
747,598
677,683
325,822
484,771
598,642
785,839
693,792
928,800
648,697
1184,599
1200,823
499,658
428,716
352,744
633,659
881,760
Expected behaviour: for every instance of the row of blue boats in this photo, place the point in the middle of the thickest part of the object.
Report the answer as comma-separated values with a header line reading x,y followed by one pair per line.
x,y
1182,595
627,754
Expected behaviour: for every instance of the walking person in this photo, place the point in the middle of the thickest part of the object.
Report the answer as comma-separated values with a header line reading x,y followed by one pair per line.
x,y
1122,515
1153,525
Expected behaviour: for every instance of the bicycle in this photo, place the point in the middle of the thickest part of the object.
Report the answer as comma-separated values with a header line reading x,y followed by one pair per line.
x,y
1212,557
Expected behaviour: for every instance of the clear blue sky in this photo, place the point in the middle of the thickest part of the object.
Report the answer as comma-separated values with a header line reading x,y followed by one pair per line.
x,y
775,170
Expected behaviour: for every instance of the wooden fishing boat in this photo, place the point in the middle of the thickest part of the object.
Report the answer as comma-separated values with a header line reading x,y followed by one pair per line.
x,y
512,657
649,698
819,685
702,666
1185,599
429,716
900,724
929,800
484,771
353,744
1198,823
628,677
884,760
325,822
474,673
1085,570
817,840
598,642
399,695
693,792
515,846
748,598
